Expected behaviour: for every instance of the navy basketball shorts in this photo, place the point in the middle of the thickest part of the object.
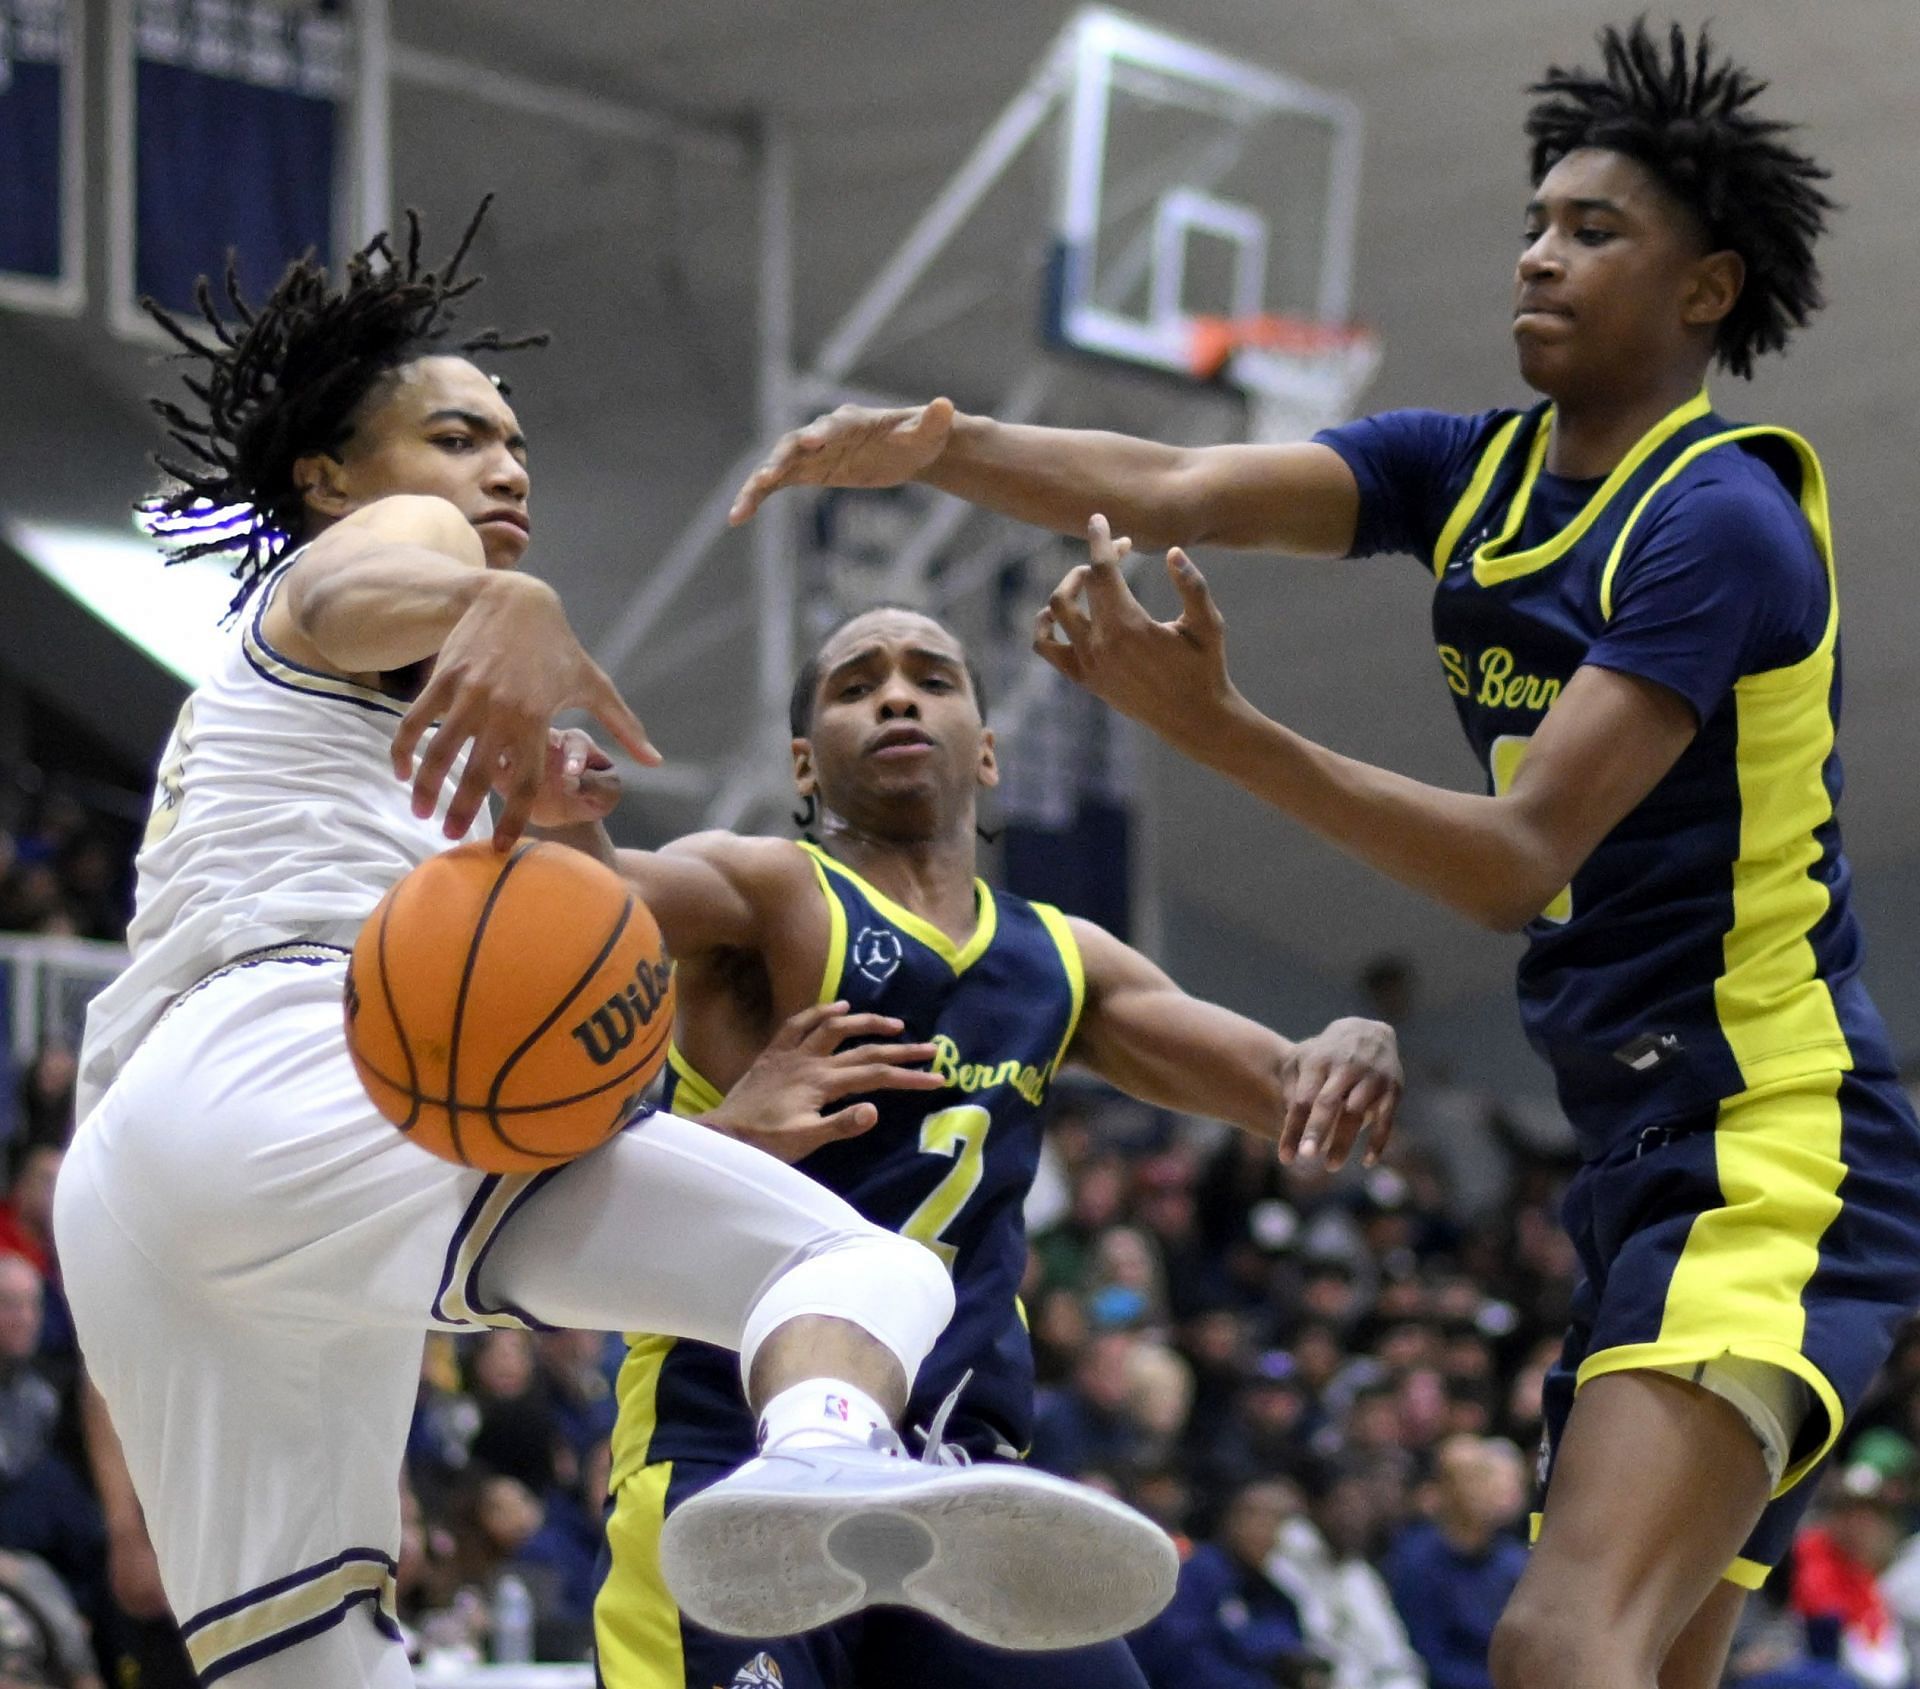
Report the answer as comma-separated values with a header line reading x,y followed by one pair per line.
x,y
1779,1228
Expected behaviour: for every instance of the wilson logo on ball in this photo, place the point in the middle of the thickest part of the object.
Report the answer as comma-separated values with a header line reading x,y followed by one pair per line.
x,y
614,1025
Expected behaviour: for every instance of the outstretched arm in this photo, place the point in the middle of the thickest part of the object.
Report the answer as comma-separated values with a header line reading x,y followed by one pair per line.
x,y
1605,743
1301,499
1140,1032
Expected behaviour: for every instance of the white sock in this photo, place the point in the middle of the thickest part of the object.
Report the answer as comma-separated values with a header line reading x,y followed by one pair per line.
x,y
821,1412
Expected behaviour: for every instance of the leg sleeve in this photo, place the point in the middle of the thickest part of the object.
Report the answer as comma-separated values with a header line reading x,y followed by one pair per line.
x,y
676,1230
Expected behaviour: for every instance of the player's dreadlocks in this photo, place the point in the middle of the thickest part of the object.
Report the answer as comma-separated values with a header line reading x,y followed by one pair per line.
x,y
286,382
1685,118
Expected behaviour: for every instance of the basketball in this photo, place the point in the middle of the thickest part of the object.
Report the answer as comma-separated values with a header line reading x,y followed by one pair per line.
x,y
507,1012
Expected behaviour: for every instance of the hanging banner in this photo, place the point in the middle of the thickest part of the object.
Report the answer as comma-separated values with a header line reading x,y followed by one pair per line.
x,y
42,221
229,135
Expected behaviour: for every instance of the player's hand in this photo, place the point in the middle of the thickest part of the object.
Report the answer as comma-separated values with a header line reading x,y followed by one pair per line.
x,y
780,1103
851,447
509,667
1170,676
580,783
1340,1084
133,1574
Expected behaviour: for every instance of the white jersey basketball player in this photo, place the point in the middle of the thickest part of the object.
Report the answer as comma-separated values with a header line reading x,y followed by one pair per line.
x,y
254,1255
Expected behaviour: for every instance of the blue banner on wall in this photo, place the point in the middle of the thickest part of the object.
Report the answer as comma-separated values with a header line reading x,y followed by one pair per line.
x,y
236,136
38,43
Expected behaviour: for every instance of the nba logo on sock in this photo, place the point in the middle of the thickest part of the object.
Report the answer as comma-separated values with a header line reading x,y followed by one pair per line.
x,y
837,1408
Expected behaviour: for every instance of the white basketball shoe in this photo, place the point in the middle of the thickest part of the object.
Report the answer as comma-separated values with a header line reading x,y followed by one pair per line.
x,y
1010,1557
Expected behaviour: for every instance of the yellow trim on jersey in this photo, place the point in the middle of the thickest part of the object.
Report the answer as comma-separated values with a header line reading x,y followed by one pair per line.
x,y
836,932
1061,933
297,677
273,1615
1469,501
695,1093
636,1621
1492,566
1775,1011
1813,505
957,957
1737,1288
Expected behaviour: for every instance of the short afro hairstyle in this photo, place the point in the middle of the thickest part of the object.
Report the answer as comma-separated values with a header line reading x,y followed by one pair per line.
x,y
1685,116
284,379
806,680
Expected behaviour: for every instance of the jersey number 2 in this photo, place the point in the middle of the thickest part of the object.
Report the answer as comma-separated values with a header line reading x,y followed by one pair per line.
x,y
962,1134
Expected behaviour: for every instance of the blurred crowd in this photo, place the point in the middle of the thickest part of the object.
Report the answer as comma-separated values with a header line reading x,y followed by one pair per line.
x,y
1327,1387
65,868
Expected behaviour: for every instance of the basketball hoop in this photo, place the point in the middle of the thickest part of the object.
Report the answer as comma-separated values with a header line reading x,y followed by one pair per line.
x,y
1298,375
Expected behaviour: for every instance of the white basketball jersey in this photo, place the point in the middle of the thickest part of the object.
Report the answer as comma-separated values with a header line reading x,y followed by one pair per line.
x,y
276,818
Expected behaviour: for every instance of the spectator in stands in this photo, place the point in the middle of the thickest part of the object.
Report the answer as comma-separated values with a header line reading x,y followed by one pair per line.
x,y
1452,1572
1086,1426
1321,1561
26,1220
46,1095
1229,1625
574,1369
1837,1562
30,1401
519,1435
45,1507
510,1531
1099,1201
1060,1333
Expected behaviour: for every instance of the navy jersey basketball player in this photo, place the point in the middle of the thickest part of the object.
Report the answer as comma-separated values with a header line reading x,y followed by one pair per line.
x,y
1637,621
882,927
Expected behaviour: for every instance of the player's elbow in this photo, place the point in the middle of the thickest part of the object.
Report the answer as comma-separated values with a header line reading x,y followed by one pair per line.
x,y
1520,886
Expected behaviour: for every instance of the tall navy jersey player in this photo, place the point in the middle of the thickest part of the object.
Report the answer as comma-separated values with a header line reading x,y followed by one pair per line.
x,y
882,929
1637,620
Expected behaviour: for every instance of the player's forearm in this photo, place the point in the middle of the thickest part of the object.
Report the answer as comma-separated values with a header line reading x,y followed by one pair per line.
x,y
1477,855
391,604
1300,499
1058,478
1182,1053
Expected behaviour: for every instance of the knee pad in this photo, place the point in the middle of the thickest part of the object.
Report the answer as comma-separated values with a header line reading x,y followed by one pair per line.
x,y
895,1290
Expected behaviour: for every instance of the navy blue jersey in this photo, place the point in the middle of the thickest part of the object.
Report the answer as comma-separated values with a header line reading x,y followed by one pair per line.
x,y
1708,946
951,1169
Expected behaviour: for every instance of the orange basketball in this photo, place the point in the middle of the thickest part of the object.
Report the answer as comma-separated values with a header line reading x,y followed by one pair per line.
x,y
507,1012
